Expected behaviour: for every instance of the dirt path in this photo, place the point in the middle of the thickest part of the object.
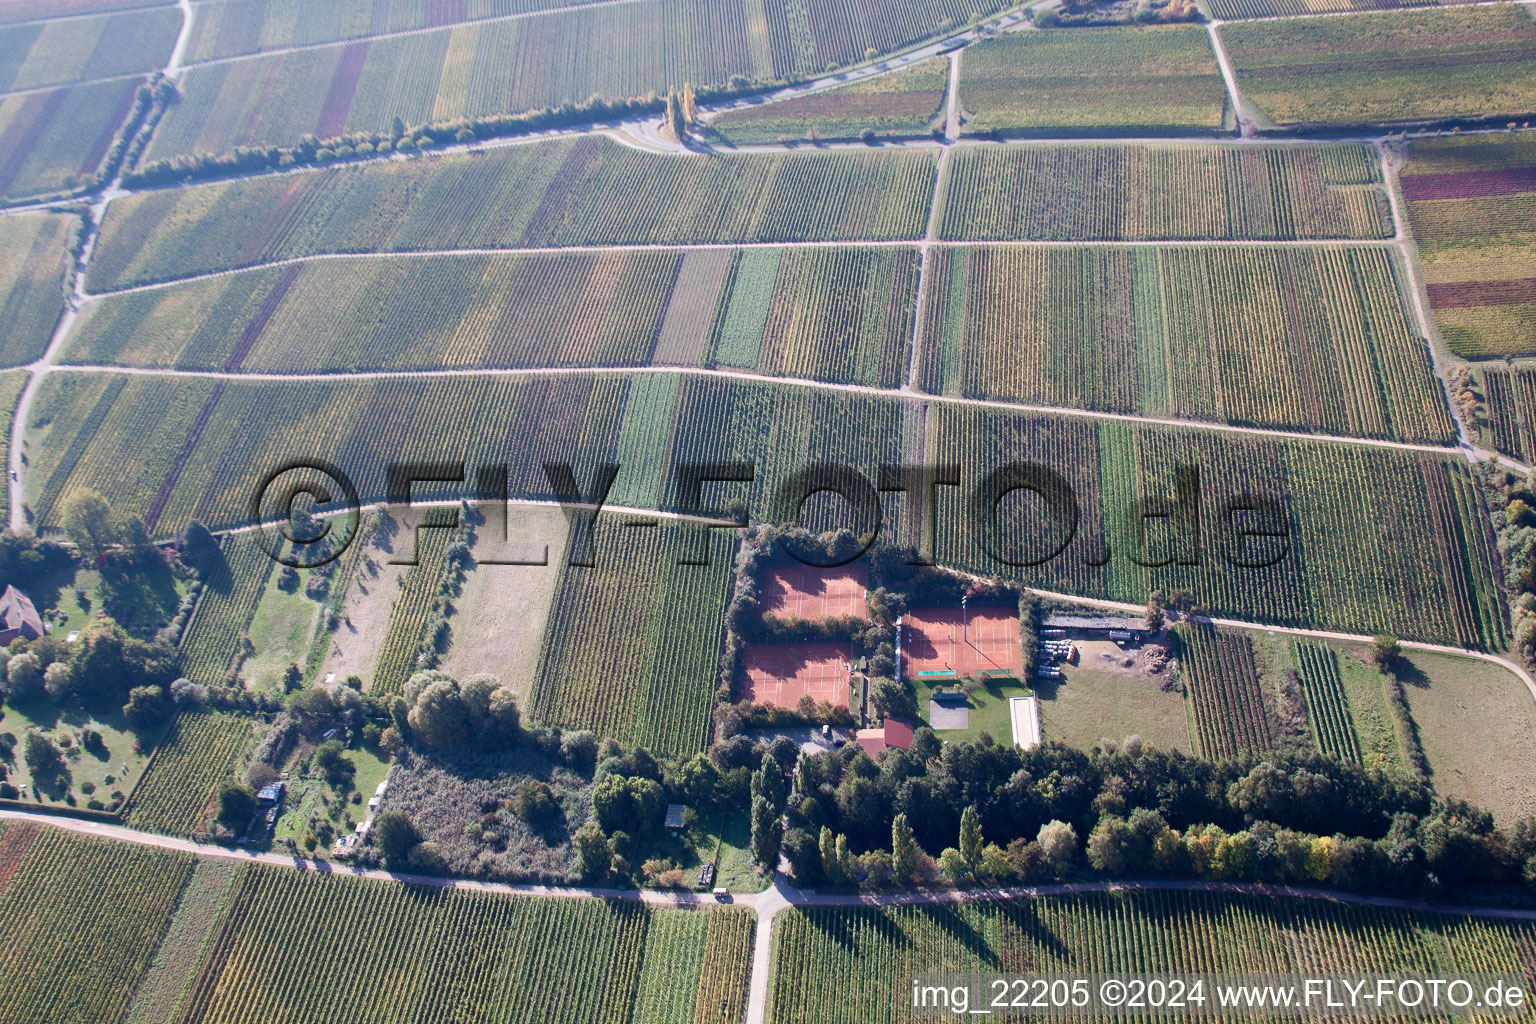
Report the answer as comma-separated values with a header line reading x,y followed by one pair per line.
x,y
1245,127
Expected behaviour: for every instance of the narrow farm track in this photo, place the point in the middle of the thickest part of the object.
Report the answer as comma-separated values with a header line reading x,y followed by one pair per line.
x,y
1229,78
816,385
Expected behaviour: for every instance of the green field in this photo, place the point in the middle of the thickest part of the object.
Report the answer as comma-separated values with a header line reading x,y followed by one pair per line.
x,y
558,193
834,314
33,10
33,276
1347,507
1132,79
1475,721
231,592
1124,192
56,140
1236,10
81,49
1225,699
11,386
80,920
1302,339
510,66
236,27
632,646
176,794
908,102
140,929
1094,702
834,965
1471,204
94,775
1388,68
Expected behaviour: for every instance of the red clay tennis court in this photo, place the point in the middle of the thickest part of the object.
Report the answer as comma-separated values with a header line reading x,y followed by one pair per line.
x,y
806,592
942,639
781,674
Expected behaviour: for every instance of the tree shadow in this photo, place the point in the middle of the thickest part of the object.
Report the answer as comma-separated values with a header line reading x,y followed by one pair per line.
x,y
1410,674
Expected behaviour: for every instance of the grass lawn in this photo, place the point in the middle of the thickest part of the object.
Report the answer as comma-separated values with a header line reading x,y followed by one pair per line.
x,y
1091,704
733,869
1477,723
281,631
1365,689
308,794
988,702
84,767
498,620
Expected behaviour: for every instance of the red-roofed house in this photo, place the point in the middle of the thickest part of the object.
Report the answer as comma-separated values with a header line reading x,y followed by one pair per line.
x,y
892,734
18,617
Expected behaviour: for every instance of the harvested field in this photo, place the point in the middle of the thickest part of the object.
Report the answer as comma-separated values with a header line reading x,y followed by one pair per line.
x,y
783,674
1122,192
967,643
1133,79
1393,67
1471,204
810,593
1300,338
904,103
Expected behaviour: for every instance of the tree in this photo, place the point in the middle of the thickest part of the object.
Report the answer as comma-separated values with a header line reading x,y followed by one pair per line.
x,y
1110,845
690,104
1058,841
768,782
338,771
185,692
626,802
237,803
1155,616
1385,650
59,681
970,837
24,678
199,549
43,757
804,857
592,851
536,802
146,707
829,866
903,850
395,836
675,120
767,833
890,699
87,519
844,858
953,867
438,716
